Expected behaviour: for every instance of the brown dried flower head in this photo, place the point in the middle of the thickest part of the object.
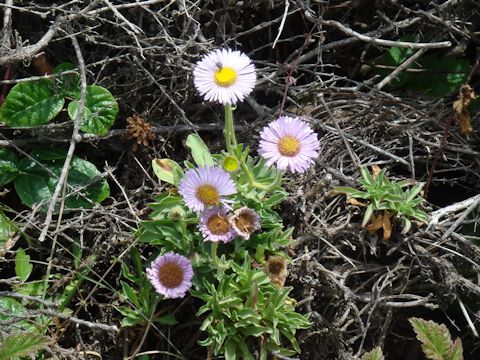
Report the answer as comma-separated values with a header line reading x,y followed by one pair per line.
x,y
140,130
276,268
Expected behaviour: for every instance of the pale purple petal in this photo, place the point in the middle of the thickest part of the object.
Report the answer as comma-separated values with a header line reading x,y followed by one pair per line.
x,y
153,274
208,175
254,226
208,235
271,135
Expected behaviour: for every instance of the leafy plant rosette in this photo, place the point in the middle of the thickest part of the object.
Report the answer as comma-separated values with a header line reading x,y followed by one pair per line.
x,y
385,201
217,232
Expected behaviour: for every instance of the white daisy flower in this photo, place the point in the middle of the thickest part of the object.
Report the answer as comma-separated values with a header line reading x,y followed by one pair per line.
x,y
224,76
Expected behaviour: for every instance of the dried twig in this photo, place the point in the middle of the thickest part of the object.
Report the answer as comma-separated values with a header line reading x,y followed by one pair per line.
x,y
400,68
73,142
382,42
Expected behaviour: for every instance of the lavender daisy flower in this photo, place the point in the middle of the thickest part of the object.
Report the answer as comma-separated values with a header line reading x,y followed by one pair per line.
x,y
204,187
289,143
245,222
215,225
171,275
224,76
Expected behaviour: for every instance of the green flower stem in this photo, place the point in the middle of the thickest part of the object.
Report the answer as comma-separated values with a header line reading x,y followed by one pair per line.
x,y
263,350
231,143
213,253
230,138
257,185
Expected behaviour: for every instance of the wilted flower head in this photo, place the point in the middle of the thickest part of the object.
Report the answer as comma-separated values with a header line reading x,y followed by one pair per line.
x,y
176,213
171,275
276,269
245,222
289,143
215,225
224,76
204,187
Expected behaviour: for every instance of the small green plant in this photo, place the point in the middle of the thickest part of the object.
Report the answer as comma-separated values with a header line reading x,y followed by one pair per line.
x,y
246,306
24,334
386,199
216,232
140,297
436,340
431,74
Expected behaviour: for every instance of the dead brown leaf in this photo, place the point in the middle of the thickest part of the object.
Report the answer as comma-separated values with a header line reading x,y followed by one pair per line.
x,y
460,106
355,202
381,221
375,171
387,226
375,224
42,66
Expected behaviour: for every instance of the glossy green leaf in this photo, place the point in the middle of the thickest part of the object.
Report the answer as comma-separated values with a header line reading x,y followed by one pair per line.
x,y
22,344
67,84
200,153
8,166
31,103
99,112
23,267
36,184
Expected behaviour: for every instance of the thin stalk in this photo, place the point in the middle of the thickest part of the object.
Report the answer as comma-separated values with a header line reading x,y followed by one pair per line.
x,y
229,131
213,253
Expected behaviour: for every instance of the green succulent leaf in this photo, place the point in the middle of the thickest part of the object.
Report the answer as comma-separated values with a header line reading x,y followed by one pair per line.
x,y
368,214
367,177
99,112
31,103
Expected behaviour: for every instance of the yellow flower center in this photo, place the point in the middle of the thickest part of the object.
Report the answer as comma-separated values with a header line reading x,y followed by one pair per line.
x,y
208,195
245,222
289,146
218,224
225,76
170,275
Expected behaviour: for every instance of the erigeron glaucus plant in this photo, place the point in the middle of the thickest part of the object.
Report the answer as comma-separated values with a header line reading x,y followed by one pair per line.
x,y
218,235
